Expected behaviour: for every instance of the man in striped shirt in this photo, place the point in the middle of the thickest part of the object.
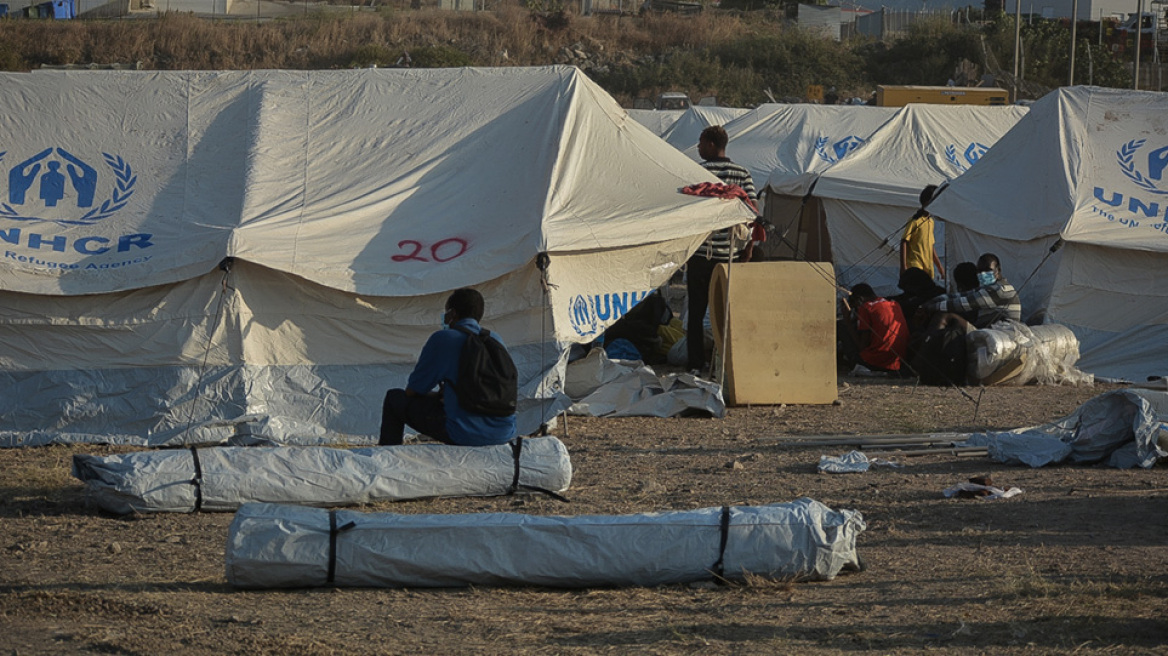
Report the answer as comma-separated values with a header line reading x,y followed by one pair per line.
x,y
995,299
719,247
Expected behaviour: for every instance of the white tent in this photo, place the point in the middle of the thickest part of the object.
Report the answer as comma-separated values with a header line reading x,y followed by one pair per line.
x,y
786,147
1087,167
188,252
657,120
688,127
870,196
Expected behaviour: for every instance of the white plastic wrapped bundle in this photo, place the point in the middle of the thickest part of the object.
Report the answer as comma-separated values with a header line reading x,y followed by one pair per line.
x,y
270,546
1012,353
224,478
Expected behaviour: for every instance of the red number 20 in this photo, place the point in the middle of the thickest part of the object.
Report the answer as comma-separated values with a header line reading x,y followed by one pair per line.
x,y
439,251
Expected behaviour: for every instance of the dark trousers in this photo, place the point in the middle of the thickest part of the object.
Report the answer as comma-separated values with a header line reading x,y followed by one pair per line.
x,y
698,272
422,413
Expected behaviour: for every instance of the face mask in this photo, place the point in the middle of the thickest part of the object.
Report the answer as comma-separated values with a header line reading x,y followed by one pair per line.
x,y
444,324
986,278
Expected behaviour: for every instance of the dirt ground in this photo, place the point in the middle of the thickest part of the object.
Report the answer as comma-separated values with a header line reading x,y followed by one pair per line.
x,y
1076,564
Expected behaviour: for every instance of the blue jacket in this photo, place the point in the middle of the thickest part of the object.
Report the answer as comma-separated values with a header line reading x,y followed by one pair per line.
x,y
439,362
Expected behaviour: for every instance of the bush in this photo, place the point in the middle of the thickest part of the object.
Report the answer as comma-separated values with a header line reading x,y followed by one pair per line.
x,y
439,57
372,55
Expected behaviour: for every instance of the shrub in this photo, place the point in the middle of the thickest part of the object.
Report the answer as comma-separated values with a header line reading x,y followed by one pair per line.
x,y
439,57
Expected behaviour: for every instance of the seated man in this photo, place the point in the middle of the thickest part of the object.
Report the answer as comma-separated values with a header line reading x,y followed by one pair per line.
x,y
880,333
917,287
438,413
994,299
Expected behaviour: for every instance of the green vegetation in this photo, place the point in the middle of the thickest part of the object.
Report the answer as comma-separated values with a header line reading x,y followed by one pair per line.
x,y
742,57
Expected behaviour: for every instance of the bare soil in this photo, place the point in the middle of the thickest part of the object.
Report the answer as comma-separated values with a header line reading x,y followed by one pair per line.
x,y
1077,563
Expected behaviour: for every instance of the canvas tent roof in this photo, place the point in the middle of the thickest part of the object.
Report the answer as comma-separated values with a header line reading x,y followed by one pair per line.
x,y
869,196
1086,166
657,120
921,145
686,129
350,202
786,146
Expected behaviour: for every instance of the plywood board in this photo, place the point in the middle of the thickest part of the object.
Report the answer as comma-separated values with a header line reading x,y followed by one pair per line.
x,y
780,340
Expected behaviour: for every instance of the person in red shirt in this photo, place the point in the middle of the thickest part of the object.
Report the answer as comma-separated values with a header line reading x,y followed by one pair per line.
x,y
880,332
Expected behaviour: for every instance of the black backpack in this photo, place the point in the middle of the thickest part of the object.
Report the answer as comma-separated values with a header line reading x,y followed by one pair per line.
x,y
488,383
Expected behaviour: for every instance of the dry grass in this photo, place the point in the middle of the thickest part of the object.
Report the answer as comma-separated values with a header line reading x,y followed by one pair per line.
x,y
512,35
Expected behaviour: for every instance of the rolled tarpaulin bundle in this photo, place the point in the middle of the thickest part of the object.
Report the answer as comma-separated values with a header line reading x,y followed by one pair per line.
x,y
273,546
224,478
1012,353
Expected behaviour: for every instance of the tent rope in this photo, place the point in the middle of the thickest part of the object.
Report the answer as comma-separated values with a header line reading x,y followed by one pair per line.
x,y
543,262
225,266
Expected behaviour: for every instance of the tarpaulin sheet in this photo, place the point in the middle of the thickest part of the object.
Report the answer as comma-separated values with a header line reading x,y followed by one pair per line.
x,y
271,546
1123,428
224,478
601,387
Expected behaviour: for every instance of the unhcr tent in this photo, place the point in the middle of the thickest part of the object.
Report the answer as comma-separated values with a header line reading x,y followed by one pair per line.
x,y
870,196
1087,169
191,255
657,120
785,147
685,130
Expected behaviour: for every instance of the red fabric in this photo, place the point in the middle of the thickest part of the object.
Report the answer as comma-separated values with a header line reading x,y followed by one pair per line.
x,y
758,233
885,320
720,190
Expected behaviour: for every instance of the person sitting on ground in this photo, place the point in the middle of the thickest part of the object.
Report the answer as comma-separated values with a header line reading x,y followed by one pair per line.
x,y
965,280
918,245
916,286
992,300
879,336
437,412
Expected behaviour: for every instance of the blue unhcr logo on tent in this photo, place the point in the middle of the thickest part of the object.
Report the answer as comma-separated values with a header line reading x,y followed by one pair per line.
x,y
1157,161
839,149
57,186
967,158
589,313
1112,203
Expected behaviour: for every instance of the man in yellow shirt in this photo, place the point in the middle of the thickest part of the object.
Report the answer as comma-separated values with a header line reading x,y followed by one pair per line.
x,y
918,246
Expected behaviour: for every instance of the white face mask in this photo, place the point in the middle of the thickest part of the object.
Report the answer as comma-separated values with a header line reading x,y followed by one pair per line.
x,y
986,278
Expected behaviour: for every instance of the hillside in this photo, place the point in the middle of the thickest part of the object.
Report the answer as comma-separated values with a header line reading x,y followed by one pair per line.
x,y
742,58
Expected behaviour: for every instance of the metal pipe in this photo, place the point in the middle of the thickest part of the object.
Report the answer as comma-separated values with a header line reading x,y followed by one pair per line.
x,y
1074,32
1017,42
1139,33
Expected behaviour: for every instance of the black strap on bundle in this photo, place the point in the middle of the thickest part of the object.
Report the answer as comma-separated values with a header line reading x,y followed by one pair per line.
x,y
197,481
516,449
719,567
332,554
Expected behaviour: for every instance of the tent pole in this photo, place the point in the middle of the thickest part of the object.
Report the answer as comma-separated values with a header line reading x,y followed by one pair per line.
x,y
1139,33
1017,42
1074,31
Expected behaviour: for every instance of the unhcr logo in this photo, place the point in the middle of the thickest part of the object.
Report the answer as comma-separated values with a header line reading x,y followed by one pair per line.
x,y
1147,173
963,159
57,186
590,314
1157,161
838,150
